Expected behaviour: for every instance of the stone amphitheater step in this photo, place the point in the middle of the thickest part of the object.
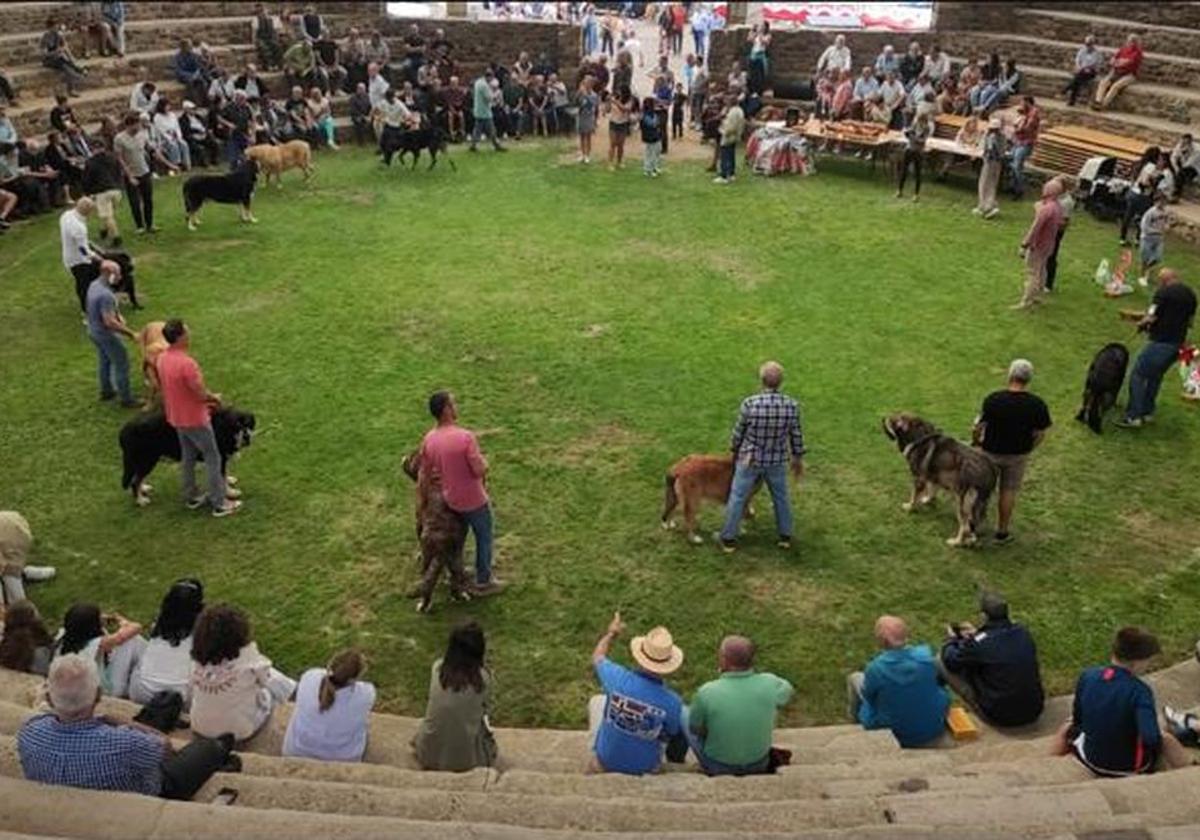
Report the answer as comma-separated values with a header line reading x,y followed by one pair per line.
x,y
1156,14
30,17
21,48
1072,26
1045,51
32,118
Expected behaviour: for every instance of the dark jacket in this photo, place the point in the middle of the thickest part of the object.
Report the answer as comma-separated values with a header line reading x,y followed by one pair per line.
x,y
1000,664
102,173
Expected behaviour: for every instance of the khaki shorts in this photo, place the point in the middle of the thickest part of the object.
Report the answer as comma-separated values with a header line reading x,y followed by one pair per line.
x,y
106,203
1012,469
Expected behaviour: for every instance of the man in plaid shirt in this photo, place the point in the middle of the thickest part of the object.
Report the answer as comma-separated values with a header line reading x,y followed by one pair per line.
x,y
767,431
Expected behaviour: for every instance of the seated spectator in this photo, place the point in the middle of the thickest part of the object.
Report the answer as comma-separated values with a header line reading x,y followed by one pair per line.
x,y
354,58
330,75
1185,162
143,97
302,124
16,539
203,148
167,660
249,82
169,136
843,92
221,87
824,91
234,687
190,72
69,167
312,24
379,53
1113,730
56,54
637,714
899,690
864,88
30,186
875,111
300,64
730,721
73,746
886,62
266,39
26,644
1088,62
455,734
893,99
360,113
912,65
115,653
995,668
560,101
921,88
970,134
1125,67
61,114
937,65
1009,84
333,707
7,90
320,115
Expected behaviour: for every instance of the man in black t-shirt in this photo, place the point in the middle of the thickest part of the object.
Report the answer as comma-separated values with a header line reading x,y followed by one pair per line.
x,y
1166,323
1011,423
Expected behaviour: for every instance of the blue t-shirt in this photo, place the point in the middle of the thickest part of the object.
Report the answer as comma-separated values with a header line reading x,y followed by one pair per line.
x,y
100,302
901,693
640,713
1115,721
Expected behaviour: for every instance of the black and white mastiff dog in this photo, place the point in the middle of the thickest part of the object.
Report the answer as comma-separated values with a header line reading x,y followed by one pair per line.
x,y
1105,377
148,438
938,460
236,187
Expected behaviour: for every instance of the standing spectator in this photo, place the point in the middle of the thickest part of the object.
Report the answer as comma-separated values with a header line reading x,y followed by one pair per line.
x,y
759,64
333,707
112,15
25,645
588,103
836,57
1140,194
133,150
560,102
166,664
481,111
453,453
312,24
236,119
266,39
766,432
1066,204
678,106
1166,326
79,257
701,24
698,94
995,667
56,54
1012,423
1038,244
915,136
116,654
454,98
637,714
101,181
15,542
1185,161
733,123
899,689
621,109
234,687
1125,66
455,735
912,64
994,150
1088,61
1153,228
360,113
731,719
608,23
105,328
188,406
73,746
1025,136
1113,730
651,126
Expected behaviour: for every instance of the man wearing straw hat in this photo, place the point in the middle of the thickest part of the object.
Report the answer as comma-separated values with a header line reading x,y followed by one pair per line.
x,y
637,714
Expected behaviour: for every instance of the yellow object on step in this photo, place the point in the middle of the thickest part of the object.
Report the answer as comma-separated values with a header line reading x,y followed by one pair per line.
x,y
959,722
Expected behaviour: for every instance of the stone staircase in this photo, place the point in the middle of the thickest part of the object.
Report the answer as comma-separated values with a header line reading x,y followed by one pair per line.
x,y
844,783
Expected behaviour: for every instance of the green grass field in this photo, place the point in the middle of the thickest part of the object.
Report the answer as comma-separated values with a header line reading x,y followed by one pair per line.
x,y
596,327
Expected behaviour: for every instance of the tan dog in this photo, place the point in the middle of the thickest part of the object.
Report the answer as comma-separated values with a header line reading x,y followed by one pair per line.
x,y
695,479
151,343
441,532
275,160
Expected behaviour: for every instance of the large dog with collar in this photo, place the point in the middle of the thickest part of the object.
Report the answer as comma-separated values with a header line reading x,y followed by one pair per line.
x,y
442,534
938,460
236,187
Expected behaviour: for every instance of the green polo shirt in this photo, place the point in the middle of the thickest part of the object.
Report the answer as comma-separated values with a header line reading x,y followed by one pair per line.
x,y
736,715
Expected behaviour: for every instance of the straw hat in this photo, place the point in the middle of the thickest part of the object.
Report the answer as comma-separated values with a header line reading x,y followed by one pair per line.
x,y
656,652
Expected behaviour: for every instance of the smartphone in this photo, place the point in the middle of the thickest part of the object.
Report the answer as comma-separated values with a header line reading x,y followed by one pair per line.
x,y
225,796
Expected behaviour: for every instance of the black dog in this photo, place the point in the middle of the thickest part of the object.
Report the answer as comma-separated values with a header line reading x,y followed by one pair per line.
x,y
128,284
237,187
431,138
1103,384
148,438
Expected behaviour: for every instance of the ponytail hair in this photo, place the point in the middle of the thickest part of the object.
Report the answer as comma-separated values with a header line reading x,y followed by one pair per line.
x,y
342,670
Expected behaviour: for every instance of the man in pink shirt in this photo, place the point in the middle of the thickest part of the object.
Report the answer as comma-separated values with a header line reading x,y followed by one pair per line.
x,y
188,405
1039,243
451,452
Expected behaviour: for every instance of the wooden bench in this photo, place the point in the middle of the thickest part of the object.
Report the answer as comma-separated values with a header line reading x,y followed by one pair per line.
x,y
947,126
1064,149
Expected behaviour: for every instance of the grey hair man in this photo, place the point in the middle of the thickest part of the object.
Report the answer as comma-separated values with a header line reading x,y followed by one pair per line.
x,y
767,432
105,327
1011,424
73,746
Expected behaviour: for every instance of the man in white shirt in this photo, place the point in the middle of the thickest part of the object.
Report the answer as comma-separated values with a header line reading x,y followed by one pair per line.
x,y
377,86
865,86
78,256
1088,62
836,57
396,119
893,97
1185,161
937,65
143,97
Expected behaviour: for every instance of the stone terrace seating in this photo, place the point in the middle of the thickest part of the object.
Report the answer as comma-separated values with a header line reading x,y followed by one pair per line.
x,y
844,783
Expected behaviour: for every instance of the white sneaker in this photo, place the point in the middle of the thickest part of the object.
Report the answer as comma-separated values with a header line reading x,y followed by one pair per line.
x,y
976,212
1143,281
993,213
38,573
720,180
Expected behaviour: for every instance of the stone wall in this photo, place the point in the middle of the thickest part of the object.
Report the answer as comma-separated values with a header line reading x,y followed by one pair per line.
x,y
31,17
794,53
476,43
1160,14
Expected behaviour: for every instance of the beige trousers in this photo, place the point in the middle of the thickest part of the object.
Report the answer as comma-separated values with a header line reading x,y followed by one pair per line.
x,y
1109,87
989,180
1035,276
106,208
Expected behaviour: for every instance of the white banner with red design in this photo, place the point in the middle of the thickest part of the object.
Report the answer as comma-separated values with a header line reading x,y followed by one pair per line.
x,y
889,17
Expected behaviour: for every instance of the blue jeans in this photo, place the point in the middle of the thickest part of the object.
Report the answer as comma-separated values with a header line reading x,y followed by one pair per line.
x,y
728,162
711,766
112,366
1152,363
1019,154
482,127
745,476
480,523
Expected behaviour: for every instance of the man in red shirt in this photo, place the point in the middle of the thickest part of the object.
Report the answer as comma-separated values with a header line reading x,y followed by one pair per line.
x,y
1126,64
1025,136
452,453
188,405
